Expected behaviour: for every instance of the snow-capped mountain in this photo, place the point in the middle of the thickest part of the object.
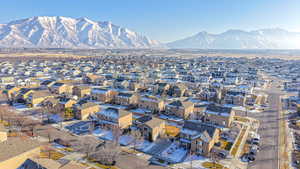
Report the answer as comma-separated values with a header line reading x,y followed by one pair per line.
x,y
239,39
65,32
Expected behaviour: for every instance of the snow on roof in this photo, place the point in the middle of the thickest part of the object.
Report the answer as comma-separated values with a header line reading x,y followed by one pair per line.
x,y
98,91
109,112
217,113
189,132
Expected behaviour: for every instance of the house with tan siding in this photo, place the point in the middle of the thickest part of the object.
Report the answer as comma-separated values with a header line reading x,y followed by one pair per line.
x,y
82,112
126,98
180,108
151,103
116,117
151,127
82,91
199,137
219,115
104,95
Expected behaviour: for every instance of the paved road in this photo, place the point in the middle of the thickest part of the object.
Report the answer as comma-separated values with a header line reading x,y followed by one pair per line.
x,y
267,158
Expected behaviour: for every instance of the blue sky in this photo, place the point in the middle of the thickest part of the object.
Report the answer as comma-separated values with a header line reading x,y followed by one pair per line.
x,y
166,20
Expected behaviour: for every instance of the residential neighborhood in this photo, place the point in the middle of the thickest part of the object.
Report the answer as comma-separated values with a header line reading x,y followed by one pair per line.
x,y
149,112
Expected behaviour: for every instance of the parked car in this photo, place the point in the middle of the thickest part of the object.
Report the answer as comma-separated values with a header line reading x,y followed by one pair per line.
x,y
255,148
248,158
222,154
255,141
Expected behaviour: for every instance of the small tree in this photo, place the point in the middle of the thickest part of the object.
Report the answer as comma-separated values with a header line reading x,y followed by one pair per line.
x,y
91,127
69,113
137,137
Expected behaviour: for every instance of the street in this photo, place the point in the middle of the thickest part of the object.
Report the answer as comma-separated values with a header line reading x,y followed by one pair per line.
x,y
267,157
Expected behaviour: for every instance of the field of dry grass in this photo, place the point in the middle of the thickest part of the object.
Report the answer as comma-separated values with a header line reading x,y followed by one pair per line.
x,y
78,54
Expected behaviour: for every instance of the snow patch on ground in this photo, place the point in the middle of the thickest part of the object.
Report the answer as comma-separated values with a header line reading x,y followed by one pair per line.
x,y
144,145
103,134
194,160
174,153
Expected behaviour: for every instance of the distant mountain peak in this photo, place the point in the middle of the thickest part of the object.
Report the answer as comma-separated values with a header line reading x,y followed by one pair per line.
x,y
273,38
67,32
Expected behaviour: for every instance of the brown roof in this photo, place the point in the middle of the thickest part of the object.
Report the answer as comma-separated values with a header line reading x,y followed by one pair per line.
x,y
39,94
87,105
52,100
154,122
180,103
15,146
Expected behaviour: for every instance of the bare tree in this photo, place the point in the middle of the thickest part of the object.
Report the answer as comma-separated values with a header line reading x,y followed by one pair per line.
x,y
137,137
86,145
107,154
49,135
91,127
20,122
116,131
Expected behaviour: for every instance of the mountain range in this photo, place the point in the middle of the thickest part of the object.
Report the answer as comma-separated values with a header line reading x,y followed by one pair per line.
x,y
239,39
66,32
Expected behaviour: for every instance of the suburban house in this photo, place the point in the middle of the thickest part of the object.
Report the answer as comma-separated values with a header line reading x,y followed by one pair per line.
x,y
177,90
82,91
50,102
60,88
126,98
160,88
116,117
151,128
151,103
199,137
38,97
219,115
22,94
66,102
93,79
103,95
180,108
235,97
82,112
